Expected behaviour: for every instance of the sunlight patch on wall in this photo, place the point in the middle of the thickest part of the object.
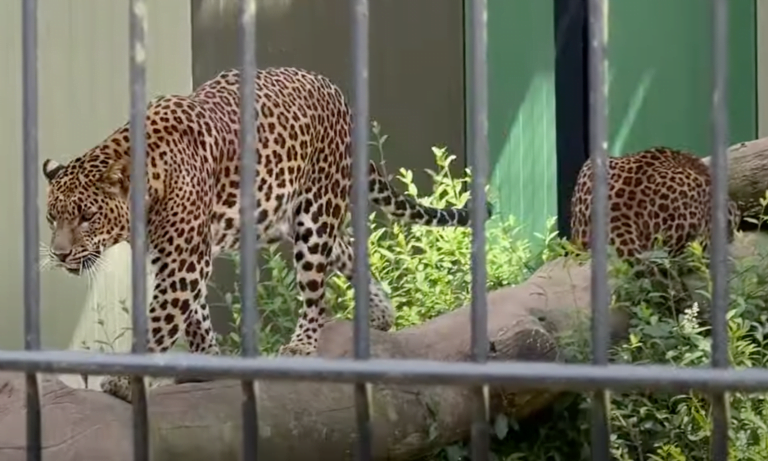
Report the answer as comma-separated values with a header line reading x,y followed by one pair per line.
x,y
524,177
635,105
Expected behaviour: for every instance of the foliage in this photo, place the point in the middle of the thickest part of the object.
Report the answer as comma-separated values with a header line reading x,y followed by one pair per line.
x,y
666,426
426,271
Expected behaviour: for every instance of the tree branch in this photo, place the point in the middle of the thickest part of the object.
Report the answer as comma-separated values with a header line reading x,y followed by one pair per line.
x,y
748,174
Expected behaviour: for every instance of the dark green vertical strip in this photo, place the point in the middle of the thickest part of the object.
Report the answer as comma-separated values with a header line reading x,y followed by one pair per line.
x,y
571,100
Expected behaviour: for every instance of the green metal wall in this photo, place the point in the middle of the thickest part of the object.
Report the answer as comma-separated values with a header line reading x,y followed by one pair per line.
x,y
660,74
521,108
659,89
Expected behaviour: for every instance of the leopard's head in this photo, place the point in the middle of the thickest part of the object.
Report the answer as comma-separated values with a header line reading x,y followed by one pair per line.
x,y
87,208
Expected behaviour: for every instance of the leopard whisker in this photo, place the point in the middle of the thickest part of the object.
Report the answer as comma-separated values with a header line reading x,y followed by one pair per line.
x,y
46,260
90,276
89,266
91,270
96,260
44,250
45,264
98,266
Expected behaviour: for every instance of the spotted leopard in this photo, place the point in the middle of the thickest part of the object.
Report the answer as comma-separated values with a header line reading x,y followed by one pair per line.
x,y
655,192
302,196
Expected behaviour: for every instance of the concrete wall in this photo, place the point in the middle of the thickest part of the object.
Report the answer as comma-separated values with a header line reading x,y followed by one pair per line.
x,y
83,66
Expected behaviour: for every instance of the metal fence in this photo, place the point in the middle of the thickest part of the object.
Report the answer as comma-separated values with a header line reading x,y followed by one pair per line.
x,y
597,377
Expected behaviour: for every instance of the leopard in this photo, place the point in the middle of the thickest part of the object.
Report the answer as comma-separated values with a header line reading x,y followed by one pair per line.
x,y
302,197
657,195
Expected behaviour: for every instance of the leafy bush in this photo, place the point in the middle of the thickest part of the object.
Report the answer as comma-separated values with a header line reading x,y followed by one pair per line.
x,y
666,308
666,426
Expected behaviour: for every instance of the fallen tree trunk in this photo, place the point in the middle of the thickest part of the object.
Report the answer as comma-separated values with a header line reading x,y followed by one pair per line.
x,y
316,421
748,174
313,421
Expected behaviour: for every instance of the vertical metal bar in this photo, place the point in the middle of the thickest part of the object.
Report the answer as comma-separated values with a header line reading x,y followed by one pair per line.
x,y
478,158
31,216
248,252
138,238
598,143
719,250
360,158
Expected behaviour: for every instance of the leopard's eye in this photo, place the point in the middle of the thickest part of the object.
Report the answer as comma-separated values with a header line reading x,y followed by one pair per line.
x,y
87,215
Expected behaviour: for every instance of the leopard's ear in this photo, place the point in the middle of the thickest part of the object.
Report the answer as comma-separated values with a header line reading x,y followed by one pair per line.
x,y
51,169
116,178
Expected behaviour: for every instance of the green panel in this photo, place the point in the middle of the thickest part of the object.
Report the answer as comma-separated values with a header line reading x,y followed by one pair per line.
x,y
522,110
660,74
660,87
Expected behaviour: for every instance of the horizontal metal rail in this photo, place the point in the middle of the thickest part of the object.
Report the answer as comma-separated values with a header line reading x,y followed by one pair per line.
x,y
575,377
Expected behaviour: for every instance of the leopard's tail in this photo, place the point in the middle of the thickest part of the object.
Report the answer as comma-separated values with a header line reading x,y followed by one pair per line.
x,y
406,209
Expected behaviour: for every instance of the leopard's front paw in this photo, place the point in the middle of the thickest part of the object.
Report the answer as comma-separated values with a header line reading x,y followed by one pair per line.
x,y
118,386
297,350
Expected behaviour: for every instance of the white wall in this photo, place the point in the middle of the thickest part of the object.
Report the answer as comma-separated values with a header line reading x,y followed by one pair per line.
x,y
83,66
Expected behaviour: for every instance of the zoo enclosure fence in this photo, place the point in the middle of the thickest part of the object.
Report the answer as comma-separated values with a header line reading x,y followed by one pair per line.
x,y
597,377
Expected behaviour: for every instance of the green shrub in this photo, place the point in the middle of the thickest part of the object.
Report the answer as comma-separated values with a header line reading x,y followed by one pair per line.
x,y
666,426
426,271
